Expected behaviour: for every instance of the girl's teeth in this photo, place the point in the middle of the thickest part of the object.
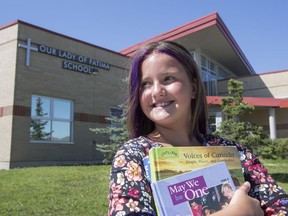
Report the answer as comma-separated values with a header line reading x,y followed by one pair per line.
x,y
161,104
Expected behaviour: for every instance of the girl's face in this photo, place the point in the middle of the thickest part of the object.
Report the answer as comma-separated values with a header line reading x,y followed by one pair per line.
x,y
166,91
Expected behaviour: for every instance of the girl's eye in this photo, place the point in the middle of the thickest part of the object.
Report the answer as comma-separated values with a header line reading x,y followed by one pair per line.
x,y
145,84
169,79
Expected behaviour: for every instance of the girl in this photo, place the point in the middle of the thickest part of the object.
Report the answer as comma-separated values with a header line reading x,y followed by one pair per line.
x,y
167,107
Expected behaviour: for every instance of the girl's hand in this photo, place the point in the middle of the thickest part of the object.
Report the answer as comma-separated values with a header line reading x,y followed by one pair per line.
x,y
241,204
245,204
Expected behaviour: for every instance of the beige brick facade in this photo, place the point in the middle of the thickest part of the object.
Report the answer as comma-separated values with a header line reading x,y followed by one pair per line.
x,y
8,46
92,95
262,85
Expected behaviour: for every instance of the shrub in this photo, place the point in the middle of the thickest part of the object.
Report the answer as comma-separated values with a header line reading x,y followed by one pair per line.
x,y
274,149
267,151
281,148
256,142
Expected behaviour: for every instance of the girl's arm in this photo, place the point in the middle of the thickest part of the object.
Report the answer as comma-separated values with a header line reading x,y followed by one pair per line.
x,y
130,192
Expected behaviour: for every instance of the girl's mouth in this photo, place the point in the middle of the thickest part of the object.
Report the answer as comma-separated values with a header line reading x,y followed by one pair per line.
x,y
163,104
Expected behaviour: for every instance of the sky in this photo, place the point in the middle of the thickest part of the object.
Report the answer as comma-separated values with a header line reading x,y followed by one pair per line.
x,y
260,27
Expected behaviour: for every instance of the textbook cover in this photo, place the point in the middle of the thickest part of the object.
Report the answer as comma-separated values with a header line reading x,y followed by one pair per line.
x,y
169,161
198,192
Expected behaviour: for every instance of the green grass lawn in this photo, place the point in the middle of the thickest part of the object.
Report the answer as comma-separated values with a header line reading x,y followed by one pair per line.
x,y
73,190
67,190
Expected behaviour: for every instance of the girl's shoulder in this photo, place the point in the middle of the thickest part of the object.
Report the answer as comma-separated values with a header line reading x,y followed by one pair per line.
x,y
139,145
215,140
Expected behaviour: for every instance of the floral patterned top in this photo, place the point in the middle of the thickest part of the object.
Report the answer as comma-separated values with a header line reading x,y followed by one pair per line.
x,y
130,192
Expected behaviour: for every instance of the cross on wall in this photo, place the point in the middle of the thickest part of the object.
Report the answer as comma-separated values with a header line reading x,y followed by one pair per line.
x,y
28,48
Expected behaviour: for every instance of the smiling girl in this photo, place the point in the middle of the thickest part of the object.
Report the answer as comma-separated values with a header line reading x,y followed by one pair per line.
x,y
167,107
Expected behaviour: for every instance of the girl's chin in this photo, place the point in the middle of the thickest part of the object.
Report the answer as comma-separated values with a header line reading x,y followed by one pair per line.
x,y
161,111
161,119
159,115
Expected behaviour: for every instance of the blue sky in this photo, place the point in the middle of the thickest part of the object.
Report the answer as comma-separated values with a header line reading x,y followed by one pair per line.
x,y
260,27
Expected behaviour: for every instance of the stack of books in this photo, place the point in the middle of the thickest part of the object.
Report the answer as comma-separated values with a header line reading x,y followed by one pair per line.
x,y
193,180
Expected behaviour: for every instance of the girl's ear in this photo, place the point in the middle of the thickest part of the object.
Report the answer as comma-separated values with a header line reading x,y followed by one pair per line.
x,y
194,89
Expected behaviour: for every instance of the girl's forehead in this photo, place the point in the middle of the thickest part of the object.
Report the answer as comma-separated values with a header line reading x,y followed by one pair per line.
x,y
161,58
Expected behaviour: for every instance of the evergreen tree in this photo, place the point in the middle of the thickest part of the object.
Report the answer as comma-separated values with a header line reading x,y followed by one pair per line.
x,y
232,128
37,126
115,135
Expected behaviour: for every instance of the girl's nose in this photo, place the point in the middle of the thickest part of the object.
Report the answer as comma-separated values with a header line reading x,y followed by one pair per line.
x,y
158,90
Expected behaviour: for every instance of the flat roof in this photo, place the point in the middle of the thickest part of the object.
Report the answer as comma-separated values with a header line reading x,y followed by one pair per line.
x,y
255,101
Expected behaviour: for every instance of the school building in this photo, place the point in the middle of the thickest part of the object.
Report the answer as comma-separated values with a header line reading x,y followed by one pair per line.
x,y
54,88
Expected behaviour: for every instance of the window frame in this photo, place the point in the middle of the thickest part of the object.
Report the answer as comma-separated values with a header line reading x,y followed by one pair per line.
x,y
209,75
53,119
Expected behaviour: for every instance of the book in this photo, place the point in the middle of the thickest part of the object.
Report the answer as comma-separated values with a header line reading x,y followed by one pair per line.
x,y
146,164
165,162
196,192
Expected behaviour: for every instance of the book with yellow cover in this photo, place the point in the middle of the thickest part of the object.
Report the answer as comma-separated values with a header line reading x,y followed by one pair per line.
x,y
165,162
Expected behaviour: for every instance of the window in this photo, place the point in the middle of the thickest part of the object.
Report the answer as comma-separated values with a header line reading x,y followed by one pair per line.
x,y
51,120
223,74
208,72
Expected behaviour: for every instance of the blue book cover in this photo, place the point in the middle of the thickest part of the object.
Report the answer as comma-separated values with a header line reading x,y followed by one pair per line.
x,y
146,164
198,192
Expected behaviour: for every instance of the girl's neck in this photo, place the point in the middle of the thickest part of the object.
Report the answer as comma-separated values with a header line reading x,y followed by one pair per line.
x,y
168,138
